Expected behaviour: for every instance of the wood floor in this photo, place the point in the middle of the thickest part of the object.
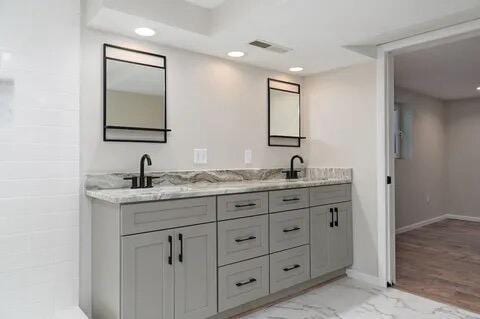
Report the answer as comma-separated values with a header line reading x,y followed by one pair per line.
x,y
441,261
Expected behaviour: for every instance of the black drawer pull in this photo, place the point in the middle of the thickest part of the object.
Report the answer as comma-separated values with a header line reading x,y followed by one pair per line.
x,y
291,199
291,229
291,267
249,281
245,205
336,215
239,240
331,220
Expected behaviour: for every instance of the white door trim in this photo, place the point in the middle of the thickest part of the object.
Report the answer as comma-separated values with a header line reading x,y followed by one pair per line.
x,y
385,161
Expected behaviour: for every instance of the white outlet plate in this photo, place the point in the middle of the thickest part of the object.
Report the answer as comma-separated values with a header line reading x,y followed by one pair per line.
x,y
248,156
200,156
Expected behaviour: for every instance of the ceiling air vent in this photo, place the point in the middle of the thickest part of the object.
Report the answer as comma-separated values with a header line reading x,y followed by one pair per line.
x,y
270,46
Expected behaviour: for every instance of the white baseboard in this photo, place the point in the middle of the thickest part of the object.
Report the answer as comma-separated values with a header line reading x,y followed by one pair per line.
x,y
369,279
463,217
436,219
420,224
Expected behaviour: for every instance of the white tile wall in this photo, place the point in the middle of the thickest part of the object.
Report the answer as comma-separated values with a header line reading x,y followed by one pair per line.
x,y
39,160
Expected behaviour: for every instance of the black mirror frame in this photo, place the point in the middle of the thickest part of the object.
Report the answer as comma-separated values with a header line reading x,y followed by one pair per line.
x,y
105,126
270,136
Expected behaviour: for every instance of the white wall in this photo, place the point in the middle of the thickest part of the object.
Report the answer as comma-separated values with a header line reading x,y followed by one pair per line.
x,y
341,126
211,103
463,127
421,180
39,101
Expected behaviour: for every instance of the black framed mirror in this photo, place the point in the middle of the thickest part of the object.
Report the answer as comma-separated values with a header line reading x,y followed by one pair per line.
x,y
134,96
284,120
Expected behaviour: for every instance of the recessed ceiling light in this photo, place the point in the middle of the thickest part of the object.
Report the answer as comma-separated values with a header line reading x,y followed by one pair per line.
x,y
236,54
145,32
478,89
296,69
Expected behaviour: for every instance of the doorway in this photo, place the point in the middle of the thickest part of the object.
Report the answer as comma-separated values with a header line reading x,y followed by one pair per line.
x,y
388,112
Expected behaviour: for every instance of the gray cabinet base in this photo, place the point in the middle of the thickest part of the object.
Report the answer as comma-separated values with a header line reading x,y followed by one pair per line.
x,y
279,296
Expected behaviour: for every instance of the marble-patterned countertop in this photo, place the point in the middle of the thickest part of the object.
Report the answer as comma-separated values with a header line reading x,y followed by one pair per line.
x,y
126,195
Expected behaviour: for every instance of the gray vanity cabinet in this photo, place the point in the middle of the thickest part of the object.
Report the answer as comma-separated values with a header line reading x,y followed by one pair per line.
x,y
330,238
158,282
216,256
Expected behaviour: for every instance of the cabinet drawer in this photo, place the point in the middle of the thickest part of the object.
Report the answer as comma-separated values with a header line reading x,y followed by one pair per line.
x,y
137,218
242,239
289,229
324,195
290,267
242,282
242,205
288,199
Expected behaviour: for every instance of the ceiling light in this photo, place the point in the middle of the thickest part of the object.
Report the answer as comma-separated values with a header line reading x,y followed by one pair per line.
x,y
236,54
478,89
145,32
296,69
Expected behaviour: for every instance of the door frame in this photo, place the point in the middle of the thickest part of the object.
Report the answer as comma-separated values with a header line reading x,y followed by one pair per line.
x,y
385,160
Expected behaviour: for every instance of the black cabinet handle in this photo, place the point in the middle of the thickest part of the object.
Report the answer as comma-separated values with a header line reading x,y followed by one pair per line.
x,y
170,241
249,281
180,256
331,217
291,229
291,199
239,240
245,205
336,216
291,267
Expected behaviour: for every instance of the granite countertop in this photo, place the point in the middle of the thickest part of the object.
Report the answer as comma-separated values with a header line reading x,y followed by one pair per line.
x,y
203,188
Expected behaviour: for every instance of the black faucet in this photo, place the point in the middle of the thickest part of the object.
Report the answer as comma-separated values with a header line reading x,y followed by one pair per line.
x,y
142,168
293,173
140,182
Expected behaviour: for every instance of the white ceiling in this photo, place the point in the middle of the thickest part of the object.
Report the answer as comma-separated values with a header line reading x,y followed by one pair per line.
x,y
450,71
318,31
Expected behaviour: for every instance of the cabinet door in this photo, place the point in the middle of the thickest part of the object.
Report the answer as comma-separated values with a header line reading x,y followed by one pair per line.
x,y
147,276
195,272
320,230
341,237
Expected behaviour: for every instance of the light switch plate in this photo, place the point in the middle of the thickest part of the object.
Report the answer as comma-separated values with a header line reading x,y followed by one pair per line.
x,y
248,156
200,156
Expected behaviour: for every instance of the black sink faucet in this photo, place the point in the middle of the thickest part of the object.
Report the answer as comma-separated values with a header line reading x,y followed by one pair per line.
x,y
142,181
144,158
293,173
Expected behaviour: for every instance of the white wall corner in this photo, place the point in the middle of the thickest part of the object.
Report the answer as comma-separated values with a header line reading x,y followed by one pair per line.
x,y
369,279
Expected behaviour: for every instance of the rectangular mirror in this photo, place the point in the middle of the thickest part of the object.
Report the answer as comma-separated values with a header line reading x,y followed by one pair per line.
x,y
134,96
284,114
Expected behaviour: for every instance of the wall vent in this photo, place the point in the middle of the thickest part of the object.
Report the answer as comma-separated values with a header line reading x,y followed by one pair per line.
x,y
270,46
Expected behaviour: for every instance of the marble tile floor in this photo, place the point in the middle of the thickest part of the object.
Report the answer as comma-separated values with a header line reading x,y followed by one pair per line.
x,y
351,299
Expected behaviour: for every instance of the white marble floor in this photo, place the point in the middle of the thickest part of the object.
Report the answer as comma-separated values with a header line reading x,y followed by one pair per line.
x,y
352,299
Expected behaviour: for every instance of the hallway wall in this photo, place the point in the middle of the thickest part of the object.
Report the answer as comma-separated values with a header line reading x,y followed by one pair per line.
x,y
463,130
421,179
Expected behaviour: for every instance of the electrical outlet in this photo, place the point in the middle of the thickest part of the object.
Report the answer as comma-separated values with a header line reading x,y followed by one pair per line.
x,y
200,156
248,156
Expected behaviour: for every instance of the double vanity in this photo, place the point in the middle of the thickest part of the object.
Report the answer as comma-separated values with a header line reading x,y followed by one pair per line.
x,y
212,244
